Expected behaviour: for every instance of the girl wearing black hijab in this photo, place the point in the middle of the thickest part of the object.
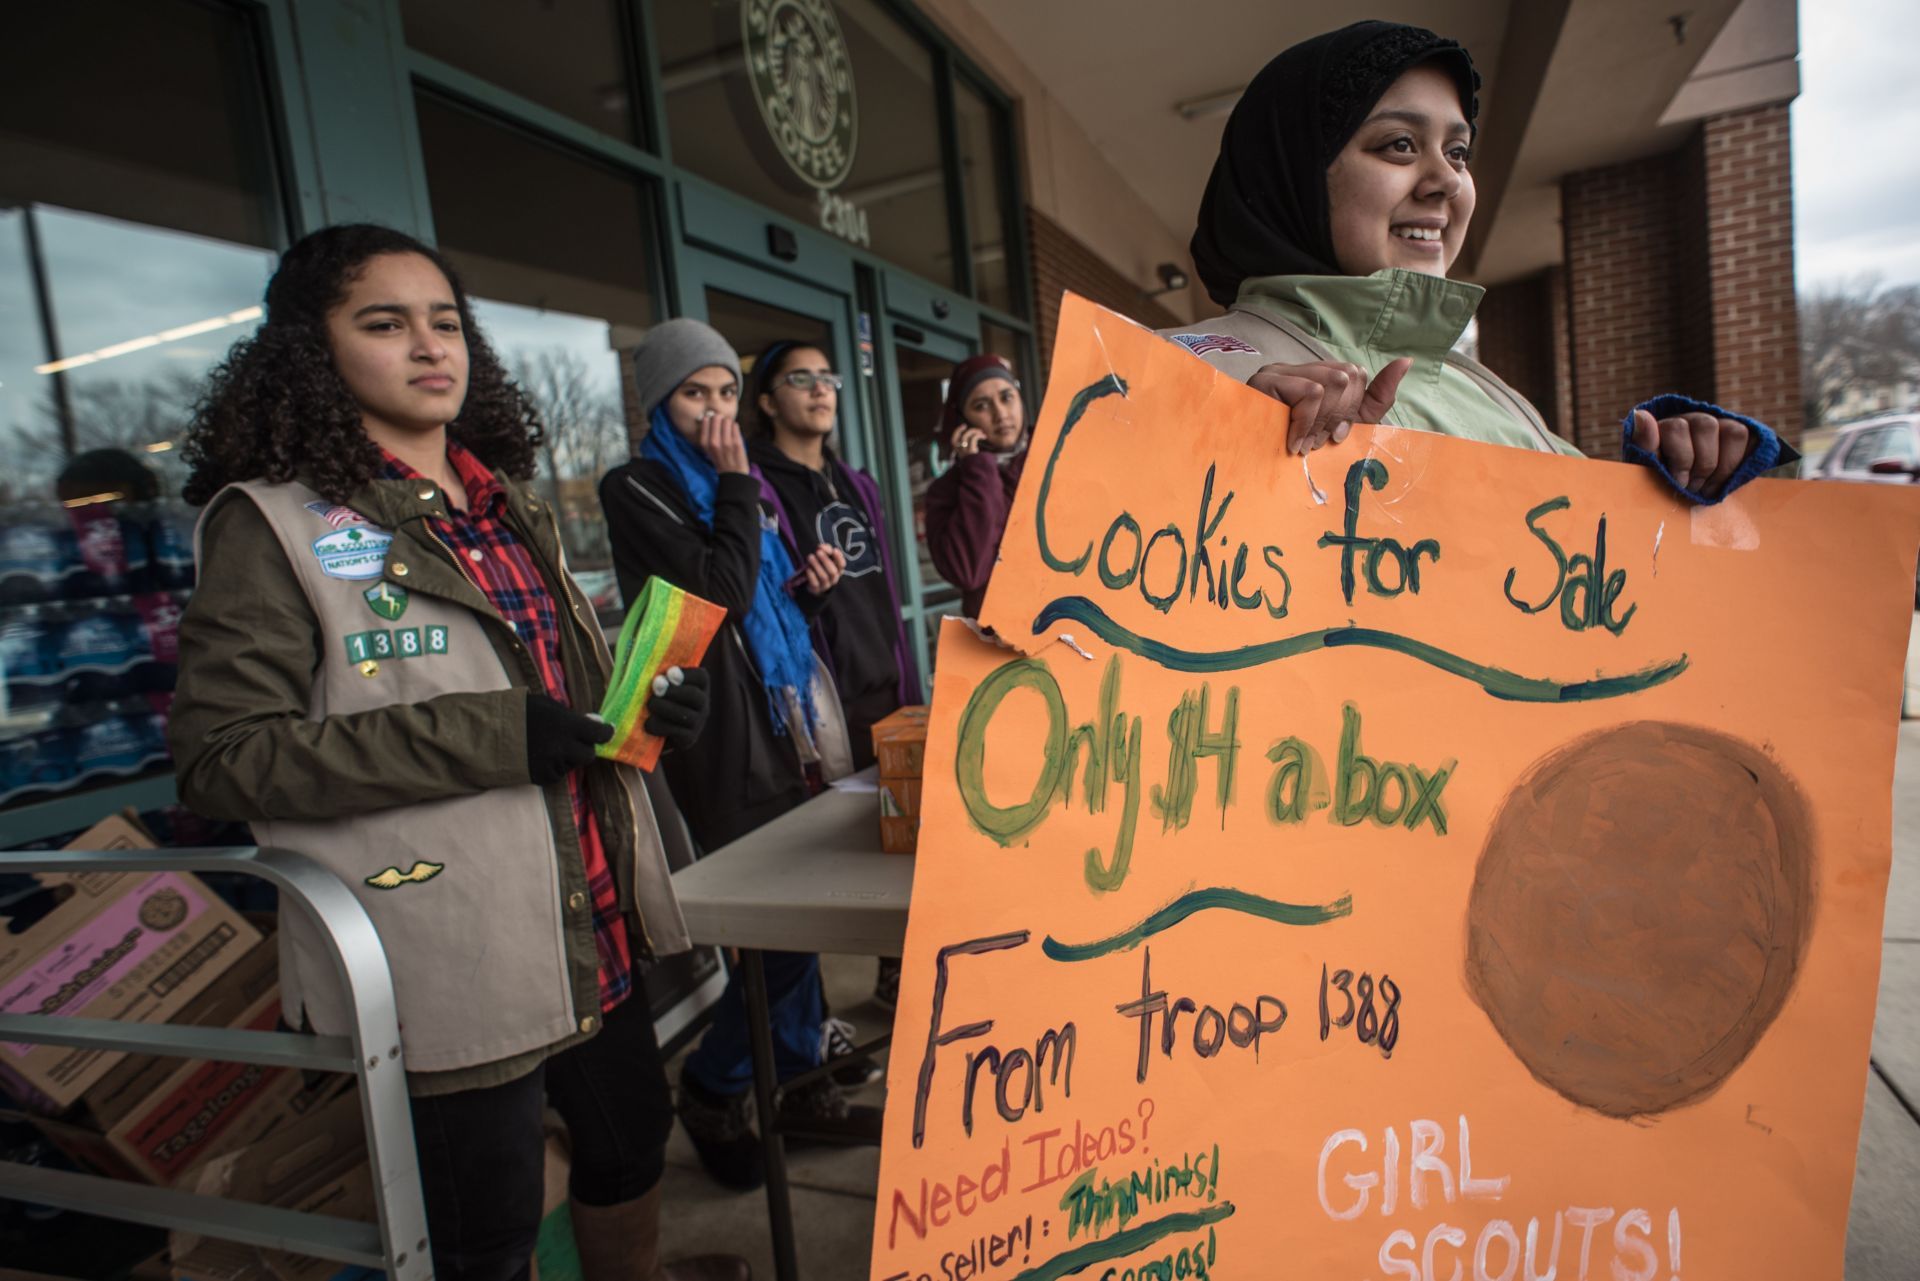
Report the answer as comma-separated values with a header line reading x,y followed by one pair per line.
x,y
1340,198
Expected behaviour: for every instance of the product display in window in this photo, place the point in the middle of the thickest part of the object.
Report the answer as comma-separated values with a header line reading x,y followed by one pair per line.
x,y
90,604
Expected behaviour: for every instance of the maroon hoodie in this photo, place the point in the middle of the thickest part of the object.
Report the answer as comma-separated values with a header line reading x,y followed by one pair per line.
x,y
967,508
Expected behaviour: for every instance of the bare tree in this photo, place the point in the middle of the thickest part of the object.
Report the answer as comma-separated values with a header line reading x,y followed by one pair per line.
x,y
585,437
107,413
1857,334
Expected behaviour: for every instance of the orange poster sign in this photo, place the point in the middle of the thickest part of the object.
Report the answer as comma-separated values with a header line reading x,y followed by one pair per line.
x,y
1433,860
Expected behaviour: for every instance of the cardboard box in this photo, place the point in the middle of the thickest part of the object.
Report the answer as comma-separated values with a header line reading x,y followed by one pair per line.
x,y
227,1001
157,1120
899,798
900,742
317,1164
194,1119
900,746
899,835
126,946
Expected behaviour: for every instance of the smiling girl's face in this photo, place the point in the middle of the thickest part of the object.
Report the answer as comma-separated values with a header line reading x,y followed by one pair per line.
x,y
1399,193
399,345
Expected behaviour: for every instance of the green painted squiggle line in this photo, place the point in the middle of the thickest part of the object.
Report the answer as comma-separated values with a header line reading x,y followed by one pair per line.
x,y
1200,901
1121,1244
1496,681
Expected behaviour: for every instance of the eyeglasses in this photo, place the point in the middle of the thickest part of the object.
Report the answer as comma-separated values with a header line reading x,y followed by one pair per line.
x,y
806,380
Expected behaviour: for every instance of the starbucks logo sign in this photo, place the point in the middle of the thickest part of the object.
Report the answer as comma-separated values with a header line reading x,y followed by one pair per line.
x,y
803,83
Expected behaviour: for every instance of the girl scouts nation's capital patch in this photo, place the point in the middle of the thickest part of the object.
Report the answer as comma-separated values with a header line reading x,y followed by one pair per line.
x,y
358,551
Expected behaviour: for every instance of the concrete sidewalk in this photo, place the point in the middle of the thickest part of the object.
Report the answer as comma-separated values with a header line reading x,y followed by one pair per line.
x,y
1883,1239
834,1188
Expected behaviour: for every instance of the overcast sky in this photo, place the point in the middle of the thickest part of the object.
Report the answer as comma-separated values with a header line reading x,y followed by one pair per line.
x,y
1856,142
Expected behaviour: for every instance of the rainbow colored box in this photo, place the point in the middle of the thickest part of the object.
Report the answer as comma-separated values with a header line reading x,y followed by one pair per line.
x,y
666,627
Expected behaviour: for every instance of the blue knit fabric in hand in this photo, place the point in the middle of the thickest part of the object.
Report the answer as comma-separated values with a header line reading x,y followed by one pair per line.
x,y
776,630
1764,456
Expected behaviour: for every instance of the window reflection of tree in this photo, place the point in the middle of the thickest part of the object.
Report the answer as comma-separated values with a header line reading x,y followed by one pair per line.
x,y
585,437
108,413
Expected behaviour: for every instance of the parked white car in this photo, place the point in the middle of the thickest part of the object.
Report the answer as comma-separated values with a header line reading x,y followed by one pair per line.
x,y
1885,450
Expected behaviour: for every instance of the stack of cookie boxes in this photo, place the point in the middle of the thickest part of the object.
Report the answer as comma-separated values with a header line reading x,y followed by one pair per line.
x,y
900,746
159,947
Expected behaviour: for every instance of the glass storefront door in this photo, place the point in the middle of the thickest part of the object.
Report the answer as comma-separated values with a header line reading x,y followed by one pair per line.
x,y
890,409
923,360
753,308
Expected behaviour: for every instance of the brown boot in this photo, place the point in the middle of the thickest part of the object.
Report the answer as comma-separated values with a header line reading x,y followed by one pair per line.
x,y
622,1243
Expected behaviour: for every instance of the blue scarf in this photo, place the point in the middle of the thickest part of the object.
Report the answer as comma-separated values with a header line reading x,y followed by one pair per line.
x,y
775,628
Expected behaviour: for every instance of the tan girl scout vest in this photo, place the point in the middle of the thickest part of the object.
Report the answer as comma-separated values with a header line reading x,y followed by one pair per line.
x,y
464,892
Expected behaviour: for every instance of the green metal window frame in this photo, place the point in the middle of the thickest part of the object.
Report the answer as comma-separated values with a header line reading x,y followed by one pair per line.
x,y
892,292
953,65
432,78
339,80
323,55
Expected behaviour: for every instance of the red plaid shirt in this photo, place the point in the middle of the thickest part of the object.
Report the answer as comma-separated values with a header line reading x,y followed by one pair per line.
x,y
504,569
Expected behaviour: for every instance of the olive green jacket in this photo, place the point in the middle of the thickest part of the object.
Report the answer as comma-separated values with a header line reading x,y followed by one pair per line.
x,y
351,694
1369,321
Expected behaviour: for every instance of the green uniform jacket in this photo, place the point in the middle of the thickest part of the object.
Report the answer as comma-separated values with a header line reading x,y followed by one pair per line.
x,y
1369,321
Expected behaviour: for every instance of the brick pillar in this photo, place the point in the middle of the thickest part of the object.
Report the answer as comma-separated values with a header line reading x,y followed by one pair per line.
x,y
1061,262
1624,295
1523,338
1756,330
1679,277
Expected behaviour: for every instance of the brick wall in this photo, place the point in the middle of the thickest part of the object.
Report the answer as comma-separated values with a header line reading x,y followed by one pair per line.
x,y
1060,262
1693,316
1749,203
1623,260
1523,339
1679,277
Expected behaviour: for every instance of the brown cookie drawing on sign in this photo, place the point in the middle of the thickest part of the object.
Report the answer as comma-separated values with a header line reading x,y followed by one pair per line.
x,y
1640,912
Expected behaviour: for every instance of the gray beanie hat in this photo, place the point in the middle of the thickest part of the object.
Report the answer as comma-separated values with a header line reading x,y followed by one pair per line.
x,y
673,349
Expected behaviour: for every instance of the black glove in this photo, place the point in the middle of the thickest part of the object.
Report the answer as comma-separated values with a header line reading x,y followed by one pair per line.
x,y
559,739
680,712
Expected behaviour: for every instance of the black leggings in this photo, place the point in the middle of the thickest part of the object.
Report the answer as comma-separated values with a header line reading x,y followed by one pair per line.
x,y
482,1151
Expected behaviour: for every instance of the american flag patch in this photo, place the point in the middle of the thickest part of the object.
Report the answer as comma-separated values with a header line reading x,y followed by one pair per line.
x,y
1203,344
336,515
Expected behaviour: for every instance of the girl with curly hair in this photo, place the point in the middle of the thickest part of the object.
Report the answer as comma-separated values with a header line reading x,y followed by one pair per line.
x,y
388,668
